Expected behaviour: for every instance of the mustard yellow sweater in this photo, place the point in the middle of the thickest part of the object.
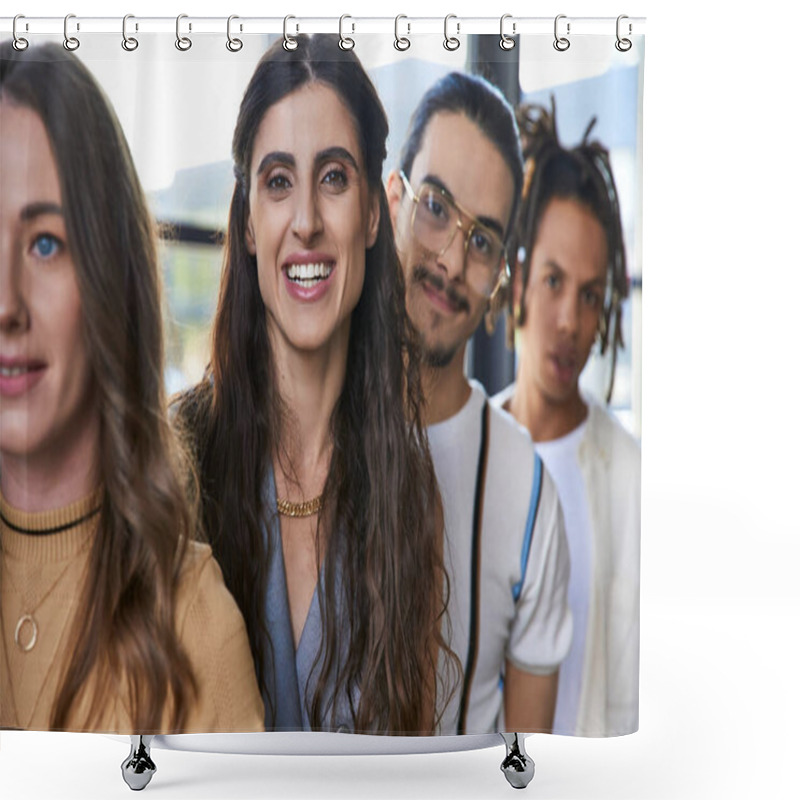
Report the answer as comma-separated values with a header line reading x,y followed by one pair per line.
x,y
41,575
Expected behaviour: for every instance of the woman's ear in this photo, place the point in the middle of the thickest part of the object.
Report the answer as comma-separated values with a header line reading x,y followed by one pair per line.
x,y
374,218
249,235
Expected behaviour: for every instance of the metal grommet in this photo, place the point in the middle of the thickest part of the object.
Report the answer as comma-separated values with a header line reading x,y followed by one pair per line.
x,y
561,43
401,43
70,42
506,42
129,43
623,45
451,42
345,42
289,42
19,43
234,45
183,43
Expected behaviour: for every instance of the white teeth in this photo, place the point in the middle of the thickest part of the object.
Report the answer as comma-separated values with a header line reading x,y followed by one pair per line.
x,y
308,274
12,372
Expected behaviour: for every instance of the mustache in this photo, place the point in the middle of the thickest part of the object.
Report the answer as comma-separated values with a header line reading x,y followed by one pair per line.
x,y
423,275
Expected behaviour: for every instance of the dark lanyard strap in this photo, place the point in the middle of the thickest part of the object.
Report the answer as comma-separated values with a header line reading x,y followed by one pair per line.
x,y
475,577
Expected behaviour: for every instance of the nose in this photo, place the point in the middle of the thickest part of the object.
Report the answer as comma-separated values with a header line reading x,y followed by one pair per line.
x,y
568,312
453,260
13,311
307,220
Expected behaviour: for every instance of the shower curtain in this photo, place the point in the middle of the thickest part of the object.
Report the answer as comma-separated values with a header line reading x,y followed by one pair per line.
x,y
520,589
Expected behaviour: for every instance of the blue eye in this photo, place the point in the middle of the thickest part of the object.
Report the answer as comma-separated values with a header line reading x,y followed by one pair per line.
x,y
45,245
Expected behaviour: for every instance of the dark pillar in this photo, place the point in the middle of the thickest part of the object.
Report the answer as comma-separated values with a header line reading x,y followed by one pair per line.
x,y
491,362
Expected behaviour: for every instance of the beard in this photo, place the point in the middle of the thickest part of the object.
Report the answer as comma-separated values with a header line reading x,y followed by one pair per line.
x,y
438,356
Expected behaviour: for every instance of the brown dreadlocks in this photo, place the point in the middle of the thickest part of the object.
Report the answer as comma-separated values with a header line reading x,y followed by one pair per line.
x,y
582,173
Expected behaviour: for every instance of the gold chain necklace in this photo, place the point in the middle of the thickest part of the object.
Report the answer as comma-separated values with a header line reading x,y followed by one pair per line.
x,y
287,508
52,661
27,618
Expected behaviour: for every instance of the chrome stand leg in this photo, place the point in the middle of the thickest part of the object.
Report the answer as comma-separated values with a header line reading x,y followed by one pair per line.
x,y
518,766
138,768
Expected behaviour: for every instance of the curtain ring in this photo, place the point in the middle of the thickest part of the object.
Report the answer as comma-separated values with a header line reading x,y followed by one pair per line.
x,y
451,42
129,43
623,45
401,43
183,43
506,42
70,42
561,43
19,42
289,42
345,42
234,45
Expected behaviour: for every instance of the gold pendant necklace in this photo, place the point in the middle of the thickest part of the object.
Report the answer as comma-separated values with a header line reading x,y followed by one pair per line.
x,y
287,508
53,659
27,620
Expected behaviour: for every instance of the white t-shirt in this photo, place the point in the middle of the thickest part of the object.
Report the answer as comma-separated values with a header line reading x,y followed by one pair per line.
x,y
523,610
561,459
606,687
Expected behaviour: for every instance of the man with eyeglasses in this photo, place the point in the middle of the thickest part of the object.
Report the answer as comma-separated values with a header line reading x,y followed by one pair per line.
x,y
452,203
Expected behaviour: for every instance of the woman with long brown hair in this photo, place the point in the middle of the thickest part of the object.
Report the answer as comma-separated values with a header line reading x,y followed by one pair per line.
x,y
111,618
318,490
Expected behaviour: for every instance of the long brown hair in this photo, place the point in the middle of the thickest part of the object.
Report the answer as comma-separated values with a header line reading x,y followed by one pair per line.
x,y
380,494
583,174
124,633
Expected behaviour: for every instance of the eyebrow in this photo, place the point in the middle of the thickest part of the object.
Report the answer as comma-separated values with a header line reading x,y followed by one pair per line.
x,y
288,160
336,153
33,210
487,222
276,157
599,282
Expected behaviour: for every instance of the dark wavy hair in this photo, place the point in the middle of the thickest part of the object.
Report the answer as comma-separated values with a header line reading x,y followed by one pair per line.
x,y
483,105
582,174
380,496
124,632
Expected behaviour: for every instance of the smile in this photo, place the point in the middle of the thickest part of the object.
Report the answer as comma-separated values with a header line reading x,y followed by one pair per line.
x,y
441,295
17,379
309,275
13,372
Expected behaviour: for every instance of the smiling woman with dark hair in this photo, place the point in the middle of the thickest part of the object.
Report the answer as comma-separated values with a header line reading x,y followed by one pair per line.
x,y
111,618
318,487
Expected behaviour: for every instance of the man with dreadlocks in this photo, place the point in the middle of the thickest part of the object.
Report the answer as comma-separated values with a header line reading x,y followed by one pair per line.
x,y
569,281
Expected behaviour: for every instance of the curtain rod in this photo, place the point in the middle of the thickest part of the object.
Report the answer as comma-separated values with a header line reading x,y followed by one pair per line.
x,y
408,25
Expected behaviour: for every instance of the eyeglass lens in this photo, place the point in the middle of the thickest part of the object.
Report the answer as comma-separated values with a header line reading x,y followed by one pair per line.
x,y
435,224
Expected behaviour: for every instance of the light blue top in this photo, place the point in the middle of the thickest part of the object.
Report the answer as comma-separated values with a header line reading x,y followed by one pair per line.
x,y
291,676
